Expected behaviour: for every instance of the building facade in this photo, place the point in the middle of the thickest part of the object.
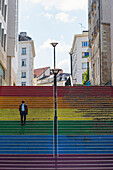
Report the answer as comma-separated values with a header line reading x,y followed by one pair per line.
x,y
80,57
99,20
26,56
112,44
8,42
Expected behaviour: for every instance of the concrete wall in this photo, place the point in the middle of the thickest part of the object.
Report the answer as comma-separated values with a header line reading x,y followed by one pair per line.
x,y
12,41
101,38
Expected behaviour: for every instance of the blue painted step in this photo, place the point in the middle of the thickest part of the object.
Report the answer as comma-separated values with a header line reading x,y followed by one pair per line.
x,y
38,144
26,144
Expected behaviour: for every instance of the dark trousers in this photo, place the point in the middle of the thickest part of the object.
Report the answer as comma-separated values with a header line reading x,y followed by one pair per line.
x,y
23,115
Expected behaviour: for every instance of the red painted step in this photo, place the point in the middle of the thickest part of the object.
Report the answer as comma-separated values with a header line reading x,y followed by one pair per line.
x,y
62,91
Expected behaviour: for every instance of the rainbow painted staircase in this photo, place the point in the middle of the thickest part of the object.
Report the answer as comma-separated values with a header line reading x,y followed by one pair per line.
x,y
85,128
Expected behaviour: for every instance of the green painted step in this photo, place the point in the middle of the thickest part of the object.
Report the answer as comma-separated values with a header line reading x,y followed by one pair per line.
x,y
31,127
85,127
27,123
84,122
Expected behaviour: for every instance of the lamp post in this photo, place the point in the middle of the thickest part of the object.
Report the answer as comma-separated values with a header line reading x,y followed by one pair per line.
x,y
55,72
71,61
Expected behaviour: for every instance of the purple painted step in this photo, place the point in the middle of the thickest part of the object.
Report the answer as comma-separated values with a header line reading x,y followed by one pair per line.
x,y
47,162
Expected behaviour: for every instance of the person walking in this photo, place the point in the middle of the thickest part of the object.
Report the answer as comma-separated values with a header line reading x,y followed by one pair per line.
x,y
23,112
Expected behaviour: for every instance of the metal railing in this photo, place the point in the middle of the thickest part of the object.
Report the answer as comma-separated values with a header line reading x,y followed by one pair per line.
x,y
2,81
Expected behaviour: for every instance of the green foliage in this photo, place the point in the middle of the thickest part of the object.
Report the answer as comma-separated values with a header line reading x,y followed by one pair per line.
x,y
85,80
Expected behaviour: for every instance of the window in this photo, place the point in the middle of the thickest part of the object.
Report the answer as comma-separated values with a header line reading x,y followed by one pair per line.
x,y
23,83
82,76
2,71
85,44
4,42
3,7
0,32
84,65
23,51
5,13
85,54
23,62
23,75
2,39
0,4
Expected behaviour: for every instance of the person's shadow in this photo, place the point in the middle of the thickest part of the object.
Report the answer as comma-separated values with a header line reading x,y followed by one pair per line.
x,y
22,129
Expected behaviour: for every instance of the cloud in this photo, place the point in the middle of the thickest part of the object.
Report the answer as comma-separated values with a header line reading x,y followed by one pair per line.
x,y
61,47
64,17
46,45
62,5
65,65
27,17
62,55
48,15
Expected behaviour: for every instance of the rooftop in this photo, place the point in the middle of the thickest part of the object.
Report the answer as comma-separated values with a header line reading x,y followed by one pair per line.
x,y
23,37
39,71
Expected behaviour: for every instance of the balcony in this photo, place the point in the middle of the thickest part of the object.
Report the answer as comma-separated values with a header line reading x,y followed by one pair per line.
x,y
95,31
90,43
92,9
98,3
98,25
89,17
94,5
92,39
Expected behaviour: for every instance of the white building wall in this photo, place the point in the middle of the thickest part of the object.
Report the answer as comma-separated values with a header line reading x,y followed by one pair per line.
x,y
29,68
77,59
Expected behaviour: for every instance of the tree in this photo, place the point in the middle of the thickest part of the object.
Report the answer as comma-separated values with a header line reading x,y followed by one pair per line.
x,y
85,80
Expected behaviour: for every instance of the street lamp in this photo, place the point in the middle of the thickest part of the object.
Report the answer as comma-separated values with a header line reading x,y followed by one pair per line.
x,y
55,72
54,45
71,53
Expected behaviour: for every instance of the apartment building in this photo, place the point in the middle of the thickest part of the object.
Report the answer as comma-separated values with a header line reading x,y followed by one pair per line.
x,y
112,44
8,42
3,41
26,54
80,56
99,20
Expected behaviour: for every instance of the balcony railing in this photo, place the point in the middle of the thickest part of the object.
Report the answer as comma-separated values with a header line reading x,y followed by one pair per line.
x,y
2,81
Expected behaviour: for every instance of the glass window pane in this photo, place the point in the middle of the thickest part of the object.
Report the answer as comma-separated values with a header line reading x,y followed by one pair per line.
x,y
2,71
23,51
23,62
84,65
23,83
23,75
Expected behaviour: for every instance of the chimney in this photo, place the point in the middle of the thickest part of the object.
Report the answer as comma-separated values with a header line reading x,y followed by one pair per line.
x,y
23,34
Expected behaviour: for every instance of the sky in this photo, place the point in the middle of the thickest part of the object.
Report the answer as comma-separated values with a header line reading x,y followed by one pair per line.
x,y
49,21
